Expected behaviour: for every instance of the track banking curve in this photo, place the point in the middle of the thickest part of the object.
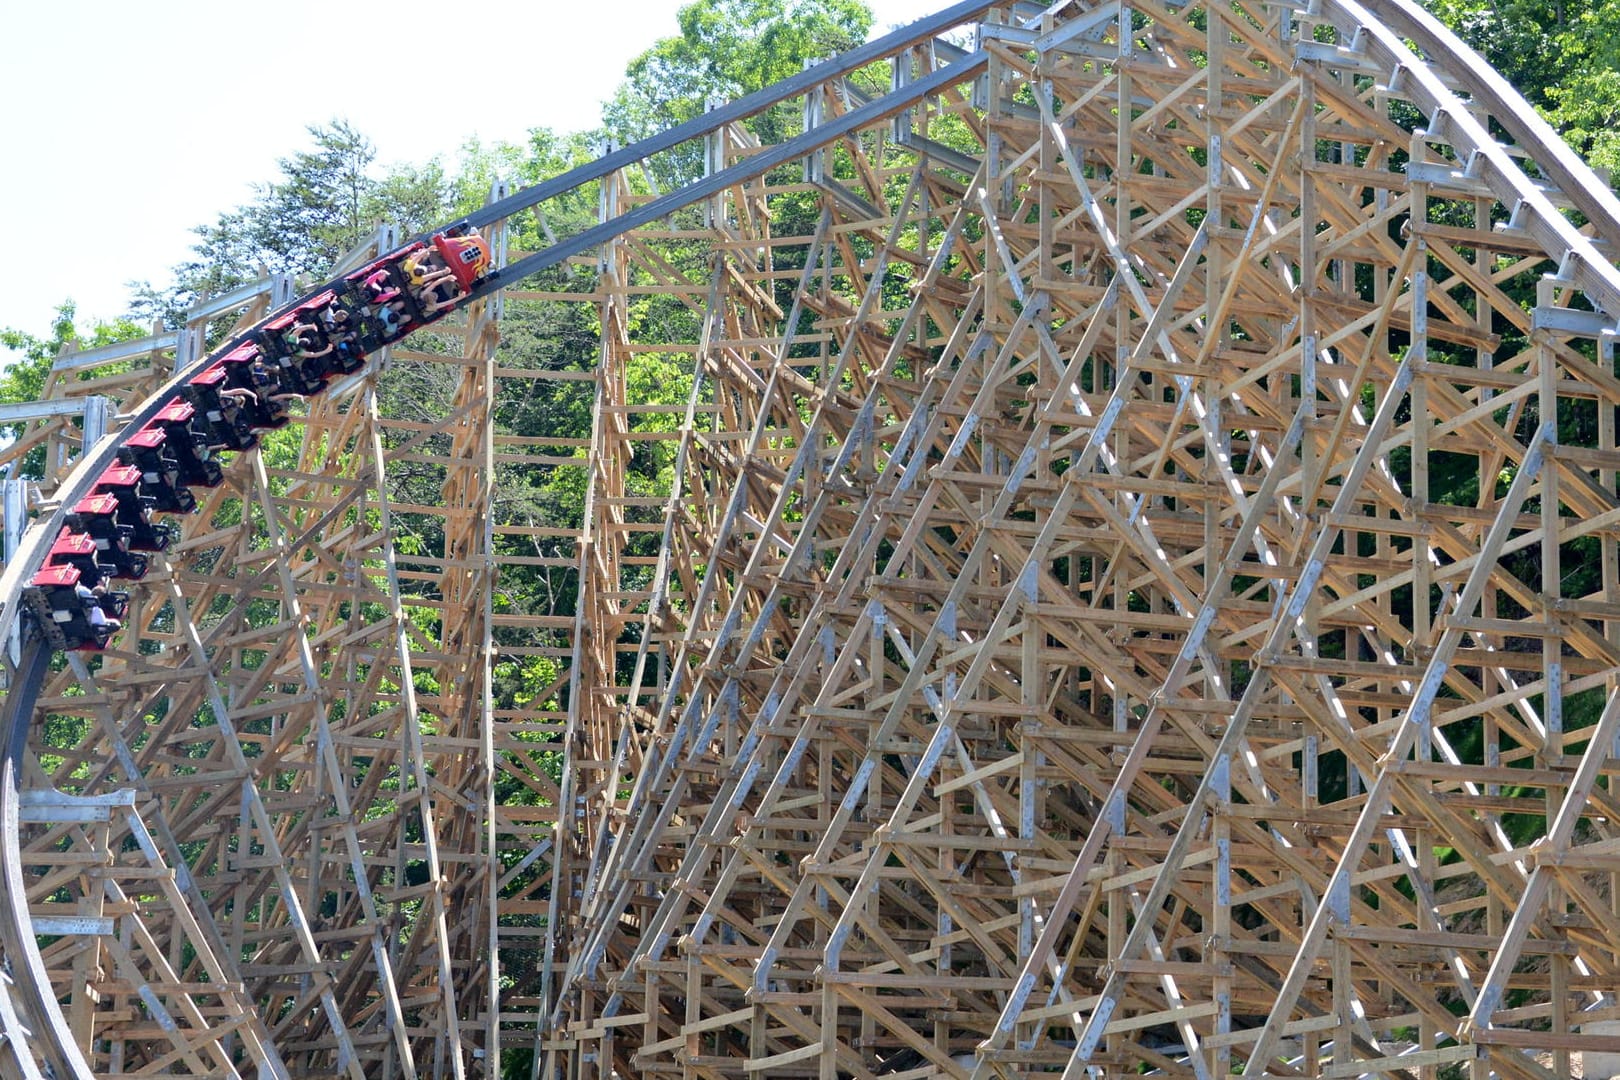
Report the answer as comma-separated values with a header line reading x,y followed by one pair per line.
x,y
33,1020
1372,38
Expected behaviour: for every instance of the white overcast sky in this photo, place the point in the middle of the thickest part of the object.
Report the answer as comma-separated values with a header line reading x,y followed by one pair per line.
x,y
124,124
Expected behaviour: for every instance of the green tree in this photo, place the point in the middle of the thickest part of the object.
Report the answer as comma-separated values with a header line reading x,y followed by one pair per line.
x,y
416,198
327,199
28,363
317,211
1562,55
1584,100
728,48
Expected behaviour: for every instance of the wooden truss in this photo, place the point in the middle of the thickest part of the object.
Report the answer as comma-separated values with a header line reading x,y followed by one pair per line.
x,y
1118,574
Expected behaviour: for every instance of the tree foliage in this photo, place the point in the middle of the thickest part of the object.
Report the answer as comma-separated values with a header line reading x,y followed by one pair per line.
x,y
1584,99
327,199
319,208
1562,55
28,359
728,48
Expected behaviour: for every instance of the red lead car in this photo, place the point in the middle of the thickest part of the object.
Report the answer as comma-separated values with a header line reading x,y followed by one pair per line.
x,y
466,254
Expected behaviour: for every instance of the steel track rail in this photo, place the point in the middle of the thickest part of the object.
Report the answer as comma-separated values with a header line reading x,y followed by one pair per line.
x,y
1386,23
754,166
1551,153
740,109
37,1040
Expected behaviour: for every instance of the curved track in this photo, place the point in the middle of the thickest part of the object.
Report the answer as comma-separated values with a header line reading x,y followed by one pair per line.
x,y
1100,553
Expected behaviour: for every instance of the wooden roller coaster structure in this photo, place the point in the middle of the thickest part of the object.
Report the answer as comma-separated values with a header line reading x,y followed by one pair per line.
x,y
1127,582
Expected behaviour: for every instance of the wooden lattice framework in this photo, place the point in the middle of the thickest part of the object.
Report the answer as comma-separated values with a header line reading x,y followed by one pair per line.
x,y
1133,586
